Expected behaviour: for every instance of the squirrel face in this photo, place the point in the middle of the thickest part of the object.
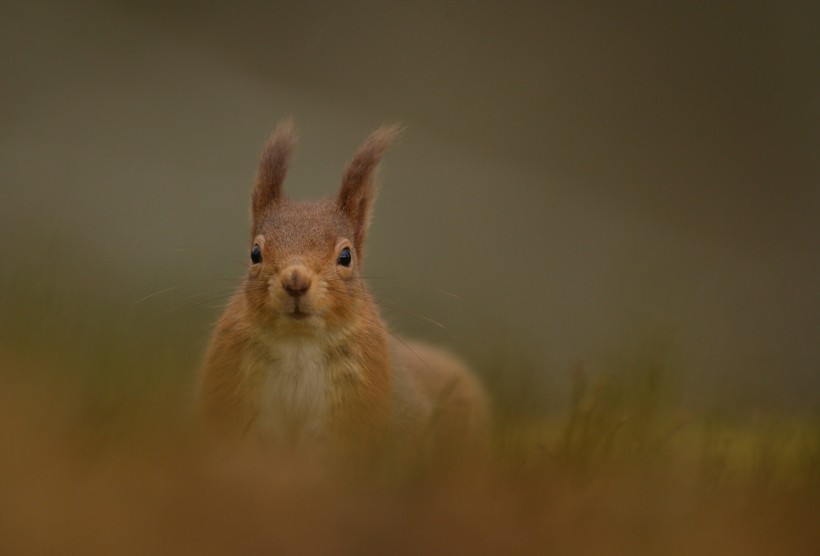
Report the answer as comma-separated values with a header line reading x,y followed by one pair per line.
x,y
305,257
303,268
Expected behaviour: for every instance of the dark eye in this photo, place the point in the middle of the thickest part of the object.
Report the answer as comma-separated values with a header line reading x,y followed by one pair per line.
x,y
345,257
256,255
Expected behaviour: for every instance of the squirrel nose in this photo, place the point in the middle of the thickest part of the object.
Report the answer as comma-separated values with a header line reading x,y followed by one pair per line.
x,y
296,281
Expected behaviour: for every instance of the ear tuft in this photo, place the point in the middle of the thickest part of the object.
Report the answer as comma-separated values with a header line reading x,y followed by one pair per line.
x,y
358,181
273,167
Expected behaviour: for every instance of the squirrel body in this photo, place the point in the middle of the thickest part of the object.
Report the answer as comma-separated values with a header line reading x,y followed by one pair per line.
x,y
301,357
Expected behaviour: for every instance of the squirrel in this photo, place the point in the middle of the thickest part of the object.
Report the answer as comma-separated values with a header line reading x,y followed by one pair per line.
x,y
301,356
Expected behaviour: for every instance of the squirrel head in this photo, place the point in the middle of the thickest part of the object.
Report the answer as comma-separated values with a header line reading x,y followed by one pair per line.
x,y
305,257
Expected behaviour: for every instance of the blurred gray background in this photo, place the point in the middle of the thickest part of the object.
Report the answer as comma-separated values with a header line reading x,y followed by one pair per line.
x,y
590,178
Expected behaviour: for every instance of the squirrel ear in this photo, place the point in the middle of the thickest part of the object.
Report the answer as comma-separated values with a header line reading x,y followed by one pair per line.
x,y
273,166
358,181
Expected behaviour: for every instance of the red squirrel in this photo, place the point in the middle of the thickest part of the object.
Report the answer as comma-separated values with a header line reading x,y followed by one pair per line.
x,y
301,356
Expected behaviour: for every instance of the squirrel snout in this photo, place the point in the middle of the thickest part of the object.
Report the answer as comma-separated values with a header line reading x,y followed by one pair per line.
x,y
296,281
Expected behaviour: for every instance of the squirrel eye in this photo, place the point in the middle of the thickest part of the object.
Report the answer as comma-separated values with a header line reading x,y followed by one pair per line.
x,y
345,257
256,254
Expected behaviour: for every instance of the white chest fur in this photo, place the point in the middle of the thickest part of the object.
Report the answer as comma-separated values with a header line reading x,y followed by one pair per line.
x,y
291,379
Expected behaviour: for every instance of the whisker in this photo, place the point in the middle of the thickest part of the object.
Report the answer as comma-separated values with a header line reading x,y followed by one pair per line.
x,y
202,302
398,339
160,292
399,280
391,306
404,312
182,286
241,289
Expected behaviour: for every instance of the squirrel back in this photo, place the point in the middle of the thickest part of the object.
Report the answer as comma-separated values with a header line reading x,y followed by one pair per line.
x,y
301,357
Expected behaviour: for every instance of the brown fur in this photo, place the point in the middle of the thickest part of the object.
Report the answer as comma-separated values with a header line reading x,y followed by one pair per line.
x,y
301,356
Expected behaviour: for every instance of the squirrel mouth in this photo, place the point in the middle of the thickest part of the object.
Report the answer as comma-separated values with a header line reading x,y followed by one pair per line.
x,y
296,314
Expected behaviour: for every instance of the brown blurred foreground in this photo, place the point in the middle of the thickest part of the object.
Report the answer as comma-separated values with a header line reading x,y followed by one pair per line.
x,y
571,488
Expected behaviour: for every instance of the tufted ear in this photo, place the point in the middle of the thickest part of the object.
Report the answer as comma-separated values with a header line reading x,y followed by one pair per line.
x,y
273,166
359,181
